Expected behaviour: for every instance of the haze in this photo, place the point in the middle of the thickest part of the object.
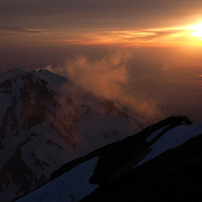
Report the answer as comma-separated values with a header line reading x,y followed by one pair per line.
x,y
144,53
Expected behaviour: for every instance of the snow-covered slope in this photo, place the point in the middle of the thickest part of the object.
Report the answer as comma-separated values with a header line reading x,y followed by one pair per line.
x,y
161,163
72,186
46,121
171,139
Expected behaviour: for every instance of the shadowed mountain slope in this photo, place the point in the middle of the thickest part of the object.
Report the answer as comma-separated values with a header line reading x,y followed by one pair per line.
x,y
162,163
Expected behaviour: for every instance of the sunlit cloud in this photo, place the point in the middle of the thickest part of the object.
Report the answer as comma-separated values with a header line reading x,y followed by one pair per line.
x,y
108,77
143,37
148,37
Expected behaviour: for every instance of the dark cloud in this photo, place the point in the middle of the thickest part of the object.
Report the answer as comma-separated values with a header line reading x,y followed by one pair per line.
x,y
18,29
91,5
90,13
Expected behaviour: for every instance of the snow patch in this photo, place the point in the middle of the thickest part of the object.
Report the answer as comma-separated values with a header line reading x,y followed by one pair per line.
x,y
171,139
17,85
156,133
54,80
10,74
70,187
6,101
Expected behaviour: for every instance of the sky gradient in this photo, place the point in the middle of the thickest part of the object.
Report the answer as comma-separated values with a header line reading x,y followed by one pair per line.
x,y
144,53
120,22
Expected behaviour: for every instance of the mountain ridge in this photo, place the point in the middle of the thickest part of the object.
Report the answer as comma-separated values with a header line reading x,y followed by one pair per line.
x,y
47,120
171,173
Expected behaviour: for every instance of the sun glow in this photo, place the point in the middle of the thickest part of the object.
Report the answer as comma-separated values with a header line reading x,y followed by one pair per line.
x,y
197,30
185,35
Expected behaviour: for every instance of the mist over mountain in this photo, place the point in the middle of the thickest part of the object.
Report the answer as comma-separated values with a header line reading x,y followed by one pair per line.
x,y
100,100
157,81
53,129
45,121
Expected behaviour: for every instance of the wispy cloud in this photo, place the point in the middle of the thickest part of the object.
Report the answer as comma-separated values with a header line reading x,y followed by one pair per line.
x,y
155,37
18,29
108,77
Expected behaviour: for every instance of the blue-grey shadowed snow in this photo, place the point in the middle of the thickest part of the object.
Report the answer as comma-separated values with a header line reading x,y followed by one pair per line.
x,y
70,187
172,139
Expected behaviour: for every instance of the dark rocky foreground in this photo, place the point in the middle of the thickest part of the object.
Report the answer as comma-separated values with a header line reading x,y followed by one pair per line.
x,y
175,175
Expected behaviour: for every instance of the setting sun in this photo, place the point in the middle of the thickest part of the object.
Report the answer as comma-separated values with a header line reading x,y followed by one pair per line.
x,y
197,30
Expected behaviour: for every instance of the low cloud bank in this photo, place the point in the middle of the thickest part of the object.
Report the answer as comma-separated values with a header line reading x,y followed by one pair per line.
x,y
109,77
154,82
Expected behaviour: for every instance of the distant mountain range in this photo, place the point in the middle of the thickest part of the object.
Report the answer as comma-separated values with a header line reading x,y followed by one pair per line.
x,y
163,162
46,121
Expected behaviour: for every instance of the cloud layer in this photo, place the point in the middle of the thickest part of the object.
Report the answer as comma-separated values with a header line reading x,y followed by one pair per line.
x,y
154,82
110,77
18,29
99,14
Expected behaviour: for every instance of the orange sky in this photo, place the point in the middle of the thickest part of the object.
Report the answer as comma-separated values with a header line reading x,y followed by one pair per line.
x,y
89,22
155,37
162,40
151,37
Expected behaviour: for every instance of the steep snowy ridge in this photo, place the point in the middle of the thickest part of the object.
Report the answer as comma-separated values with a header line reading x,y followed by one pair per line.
x,y
46,121
125,173
72,186
171,139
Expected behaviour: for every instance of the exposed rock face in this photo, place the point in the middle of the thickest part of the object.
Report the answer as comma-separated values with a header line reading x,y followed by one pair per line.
x,y
45,121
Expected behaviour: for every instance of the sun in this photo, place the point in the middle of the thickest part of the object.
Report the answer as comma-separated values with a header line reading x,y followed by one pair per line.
x,y
196,30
